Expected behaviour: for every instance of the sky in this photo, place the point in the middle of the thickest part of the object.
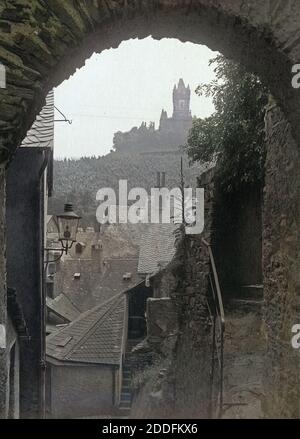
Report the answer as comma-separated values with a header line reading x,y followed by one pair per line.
x,y
120,88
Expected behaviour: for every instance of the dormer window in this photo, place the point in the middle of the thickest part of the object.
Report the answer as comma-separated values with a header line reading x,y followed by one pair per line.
x,y
127,276
79,248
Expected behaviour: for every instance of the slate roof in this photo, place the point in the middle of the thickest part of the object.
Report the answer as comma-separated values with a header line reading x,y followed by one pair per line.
x,y
157,248
99,280
41,133
63,307
95,337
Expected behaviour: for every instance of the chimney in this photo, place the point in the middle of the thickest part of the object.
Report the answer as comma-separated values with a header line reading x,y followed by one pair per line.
x,y
158,180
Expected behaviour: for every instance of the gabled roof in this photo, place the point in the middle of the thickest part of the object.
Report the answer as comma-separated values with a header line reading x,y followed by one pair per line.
x,y
63,307
157,248
95,337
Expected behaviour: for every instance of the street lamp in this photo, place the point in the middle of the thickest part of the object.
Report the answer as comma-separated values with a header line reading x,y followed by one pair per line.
x,y
67,226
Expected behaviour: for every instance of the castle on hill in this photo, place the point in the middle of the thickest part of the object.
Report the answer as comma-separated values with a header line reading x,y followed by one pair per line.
x,y
172,132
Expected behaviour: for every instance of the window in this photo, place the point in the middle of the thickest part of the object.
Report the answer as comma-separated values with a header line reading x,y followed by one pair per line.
x,y
181,104
78,248
127,276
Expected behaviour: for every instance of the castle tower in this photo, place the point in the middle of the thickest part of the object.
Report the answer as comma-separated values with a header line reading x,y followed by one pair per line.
x,y
181,101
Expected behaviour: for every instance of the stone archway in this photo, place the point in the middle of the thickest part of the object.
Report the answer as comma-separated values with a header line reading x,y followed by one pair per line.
x,y
42,43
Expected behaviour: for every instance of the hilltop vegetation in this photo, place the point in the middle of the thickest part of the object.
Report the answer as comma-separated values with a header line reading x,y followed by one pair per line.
x,y
78,181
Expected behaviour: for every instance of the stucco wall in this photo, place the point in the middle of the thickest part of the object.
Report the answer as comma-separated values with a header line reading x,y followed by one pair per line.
x,y
79,391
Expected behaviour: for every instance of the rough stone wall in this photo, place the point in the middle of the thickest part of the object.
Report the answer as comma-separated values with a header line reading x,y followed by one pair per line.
x,y
161,319
164,283
193,349
175,383
281,265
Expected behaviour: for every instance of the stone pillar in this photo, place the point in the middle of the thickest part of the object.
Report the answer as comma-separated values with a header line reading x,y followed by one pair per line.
x,y
3,363
281,267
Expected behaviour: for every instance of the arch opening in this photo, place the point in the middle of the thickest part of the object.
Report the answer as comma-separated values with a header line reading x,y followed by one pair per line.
x,y
249,42
253,35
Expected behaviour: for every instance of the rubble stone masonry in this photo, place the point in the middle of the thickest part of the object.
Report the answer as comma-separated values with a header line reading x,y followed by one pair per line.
x,y
281,267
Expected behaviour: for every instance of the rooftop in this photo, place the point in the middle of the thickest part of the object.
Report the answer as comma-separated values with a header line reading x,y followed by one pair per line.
x,y
63,307
157,248
97,280
95,337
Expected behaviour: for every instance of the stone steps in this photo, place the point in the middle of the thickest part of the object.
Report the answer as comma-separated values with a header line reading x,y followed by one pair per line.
x,y
243,358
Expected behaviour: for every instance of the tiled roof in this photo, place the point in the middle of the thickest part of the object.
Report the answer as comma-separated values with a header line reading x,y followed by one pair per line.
x,y
95,337
41,133
157,248
63,307
99,280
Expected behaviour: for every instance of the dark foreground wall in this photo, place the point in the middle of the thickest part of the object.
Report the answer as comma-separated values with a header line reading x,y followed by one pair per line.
x,y
281,267
24,265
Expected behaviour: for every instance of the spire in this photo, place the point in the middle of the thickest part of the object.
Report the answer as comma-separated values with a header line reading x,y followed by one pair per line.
x,y
181,85
164,115
181,101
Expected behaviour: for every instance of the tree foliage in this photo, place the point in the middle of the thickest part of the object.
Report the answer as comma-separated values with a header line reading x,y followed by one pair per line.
x,y
234,134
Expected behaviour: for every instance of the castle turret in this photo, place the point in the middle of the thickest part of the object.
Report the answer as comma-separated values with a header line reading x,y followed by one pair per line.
x,y
163,120
164,115
181,101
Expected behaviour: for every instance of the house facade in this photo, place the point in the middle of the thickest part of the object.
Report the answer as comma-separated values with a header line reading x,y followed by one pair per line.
x,y
29,183
85,363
